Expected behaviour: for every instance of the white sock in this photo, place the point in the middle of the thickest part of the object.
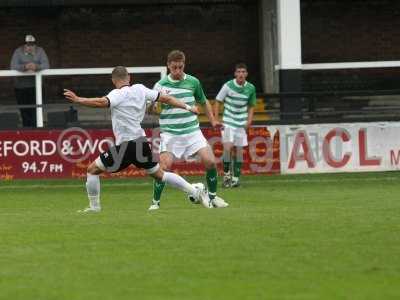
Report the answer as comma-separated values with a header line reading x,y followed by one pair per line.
x,y
178,182
93,190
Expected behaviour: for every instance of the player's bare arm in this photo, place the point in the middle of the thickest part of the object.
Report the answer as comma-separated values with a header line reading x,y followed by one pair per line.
x,y
250,116
210,115
167,99
90,102
216,111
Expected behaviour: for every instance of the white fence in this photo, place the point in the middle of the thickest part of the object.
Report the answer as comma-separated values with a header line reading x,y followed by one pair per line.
x,y
348,65
68,72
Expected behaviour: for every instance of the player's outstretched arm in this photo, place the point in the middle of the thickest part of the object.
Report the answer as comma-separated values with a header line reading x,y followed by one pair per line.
x,y
167,99
90,102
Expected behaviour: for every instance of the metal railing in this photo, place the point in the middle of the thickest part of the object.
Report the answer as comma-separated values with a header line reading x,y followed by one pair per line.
x,y
68,72
347,65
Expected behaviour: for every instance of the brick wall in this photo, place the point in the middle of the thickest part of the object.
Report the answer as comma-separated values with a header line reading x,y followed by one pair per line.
x,y
350,30
214,37
346,31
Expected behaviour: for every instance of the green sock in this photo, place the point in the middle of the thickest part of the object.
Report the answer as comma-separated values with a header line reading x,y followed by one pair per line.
x,y
158,187
227,166
227,162
212,178
237,167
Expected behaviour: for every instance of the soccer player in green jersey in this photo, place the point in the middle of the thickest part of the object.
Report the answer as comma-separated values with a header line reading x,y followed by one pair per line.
x,y
180,135
239,97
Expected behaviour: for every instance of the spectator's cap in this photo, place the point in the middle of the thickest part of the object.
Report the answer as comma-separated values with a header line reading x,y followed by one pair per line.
x,y
29,38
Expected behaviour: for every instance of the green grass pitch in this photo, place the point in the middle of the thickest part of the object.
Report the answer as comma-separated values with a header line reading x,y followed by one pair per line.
x,y
334,236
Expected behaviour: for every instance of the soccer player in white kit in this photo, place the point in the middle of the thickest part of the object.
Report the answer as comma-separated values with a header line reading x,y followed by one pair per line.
x,y
128,105
239,98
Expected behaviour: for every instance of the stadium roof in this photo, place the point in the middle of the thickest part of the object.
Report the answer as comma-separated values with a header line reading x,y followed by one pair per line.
x,y
33,3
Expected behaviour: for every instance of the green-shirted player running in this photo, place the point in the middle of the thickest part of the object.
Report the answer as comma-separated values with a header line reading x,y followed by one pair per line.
x,y
239,97
180,135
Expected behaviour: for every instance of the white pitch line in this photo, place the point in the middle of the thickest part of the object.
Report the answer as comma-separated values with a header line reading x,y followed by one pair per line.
x,y
335,180
150,183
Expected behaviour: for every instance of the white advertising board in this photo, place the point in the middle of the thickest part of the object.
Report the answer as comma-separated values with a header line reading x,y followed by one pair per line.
x,y
341,147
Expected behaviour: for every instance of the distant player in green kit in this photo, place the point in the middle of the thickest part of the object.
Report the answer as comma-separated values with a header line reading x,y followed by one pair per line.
x,y
180,135
239,97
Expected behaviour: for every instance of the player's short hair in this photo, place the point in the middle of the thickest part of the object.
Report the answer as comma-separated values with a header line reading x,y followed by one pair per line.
x,y
240,66
176,55
120,73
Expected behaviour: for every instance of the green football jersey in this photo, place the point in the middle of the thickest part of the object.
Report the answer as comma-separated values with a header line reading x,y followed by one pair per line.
x,y
237,99
176,120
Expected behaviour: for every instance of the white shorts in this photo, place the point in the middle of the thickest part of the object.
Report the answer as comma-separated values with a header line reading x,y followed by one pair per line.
x,y
236,136
182,146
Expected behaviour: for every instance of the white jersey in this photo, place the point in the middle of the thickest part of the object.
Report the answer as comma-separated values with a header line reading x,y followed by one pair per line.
x,y
128,107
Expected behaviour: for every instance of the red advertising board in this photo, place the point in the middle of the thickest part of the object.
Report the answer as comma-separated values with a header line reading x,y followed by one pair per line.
x,y
30,154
